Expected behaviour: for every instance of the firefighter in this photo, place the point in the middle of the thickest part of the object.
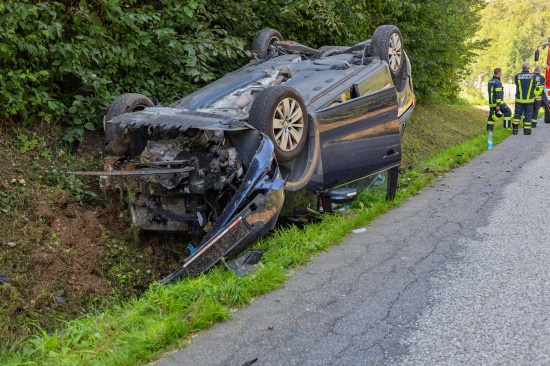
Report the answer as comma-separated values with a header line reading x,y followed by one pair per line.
x,y
525,96
496,102
540,81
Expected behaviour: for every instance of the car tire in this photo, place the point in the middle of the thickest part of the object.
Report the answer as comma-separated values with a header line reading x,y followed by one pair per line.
x,y
281,114
125,103
393,177
262,41
387,44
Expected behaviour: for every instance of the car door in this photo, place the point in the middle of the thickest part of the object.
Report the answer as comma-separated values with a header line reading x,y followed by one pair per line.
x,y
359,130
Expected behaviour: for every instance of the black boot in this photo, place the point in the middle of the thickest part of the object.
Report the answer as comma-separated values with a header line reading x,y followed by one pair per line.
x,y
515,129
534,125
526,131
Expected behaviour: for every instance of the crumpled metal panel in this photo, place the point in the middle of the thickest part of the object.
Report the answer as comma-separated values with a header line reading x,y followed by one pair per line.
x,y
172,119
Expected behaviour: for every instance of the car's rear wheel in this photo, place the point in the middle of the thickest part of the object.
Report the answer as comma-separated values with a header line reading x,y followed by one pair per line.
x,y
263,39
281,114
125,103
388,45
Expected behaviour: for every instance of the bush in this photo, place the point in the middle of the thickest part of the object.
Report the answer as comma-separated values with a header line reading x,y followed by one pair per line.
x,y
62,60
67,60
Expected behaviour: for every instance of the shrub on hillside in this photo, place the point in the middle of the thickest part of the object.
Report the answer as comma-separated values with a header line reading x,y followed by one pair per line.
x,y
67,59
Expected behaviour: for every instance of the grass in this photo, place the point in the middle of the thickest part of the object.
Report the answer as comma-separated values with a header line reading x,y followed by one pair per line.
x,y
142,329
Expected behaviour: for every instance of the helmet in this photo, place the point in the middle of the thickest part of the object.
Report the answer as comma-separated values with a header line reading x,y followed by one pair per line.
x,y
538,90
497,116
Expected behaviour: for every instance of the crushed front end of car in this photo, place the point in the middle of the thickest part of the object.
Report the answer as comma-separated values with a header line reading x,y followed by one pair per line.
x,y
212,179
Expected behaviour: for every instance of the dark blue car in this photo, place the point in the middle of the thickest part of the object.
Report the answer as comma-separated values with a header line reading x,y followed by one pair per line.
x,y
309,124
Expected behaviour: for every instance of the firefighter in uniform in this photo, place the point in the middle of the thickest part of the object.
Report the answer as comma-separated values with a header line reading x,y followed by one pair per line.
x,y
525,96
540,81
496,102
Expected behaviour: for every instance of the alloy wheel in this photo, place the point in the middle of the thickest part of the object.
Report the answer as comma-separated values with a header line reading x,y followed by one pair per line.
x,y
288,124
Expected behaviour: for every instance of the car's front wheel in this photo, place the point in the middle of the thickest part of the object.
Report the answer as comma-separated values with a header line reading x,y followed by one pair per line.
x,y
125,103
280,113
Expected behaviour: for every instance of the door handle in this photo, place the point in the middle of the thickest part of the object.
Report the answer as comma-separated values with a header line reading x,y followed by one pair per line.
x,y
391,154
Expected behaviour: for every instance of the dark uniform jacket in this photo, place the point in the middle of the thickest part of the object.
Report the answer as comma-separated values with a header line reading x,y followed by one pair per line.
x,y
539,81
496,93
525,87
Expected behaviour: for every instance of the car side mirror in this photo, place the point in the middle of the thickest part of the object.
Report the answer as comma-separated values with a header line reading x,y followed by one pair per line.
x,y
537,55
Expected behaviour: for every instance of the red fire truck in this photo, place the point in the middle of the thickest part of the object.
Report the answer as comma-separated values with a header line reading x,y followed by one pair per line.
x,y
546,96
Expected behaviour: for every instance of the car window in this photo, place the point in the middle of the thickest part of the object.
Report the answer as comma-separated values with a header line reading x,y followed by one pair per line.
x,y
348,94
379,79
375,81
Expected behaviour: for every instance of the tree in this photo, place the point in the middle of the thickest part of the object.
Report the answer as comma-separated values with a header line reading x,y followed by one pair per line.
x,y
512,30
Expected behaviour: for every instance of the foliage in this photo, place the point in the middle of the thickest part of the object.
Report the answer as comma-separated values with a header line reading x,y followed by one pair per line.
x,y
512,30
68,60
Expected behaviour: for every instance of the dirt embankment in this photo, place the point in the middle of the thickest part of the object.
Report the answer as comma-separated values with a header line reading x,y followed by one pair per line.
x,y
61,258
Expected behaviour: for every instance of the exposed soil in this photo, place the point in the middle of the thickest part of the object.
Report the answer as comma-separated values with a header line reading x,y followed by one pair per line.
x,y
61,258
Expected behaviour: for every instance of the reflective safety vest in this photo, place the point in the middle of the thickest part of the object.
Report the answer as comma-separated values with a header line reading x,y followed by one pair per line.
x,y
525,87
540,81
496,93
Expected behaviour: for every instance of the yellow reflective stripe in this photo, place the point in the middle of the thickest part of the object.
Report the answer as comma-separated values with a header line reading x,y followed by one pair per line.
x,y
492,105
498,89
491,95
525,100
519,87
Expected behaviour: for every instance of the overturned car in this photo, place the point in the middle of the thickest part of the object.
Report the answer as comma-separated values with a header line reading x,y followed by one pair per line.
x,y
296,121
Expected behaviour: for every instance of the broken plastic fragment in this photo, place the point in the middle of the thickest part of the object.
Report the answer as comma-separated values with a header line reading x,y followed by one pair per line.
x,y
248,363
359,231
249,261
4,278
60,300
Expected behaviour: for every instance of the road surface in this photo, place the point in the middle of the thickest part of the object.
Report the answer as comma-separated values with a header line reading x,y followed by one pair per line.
x,y
457,275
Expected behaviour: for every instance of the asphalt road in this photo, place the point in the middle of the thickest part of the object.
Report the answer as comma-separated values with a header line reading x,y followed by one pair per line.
x,y
458,275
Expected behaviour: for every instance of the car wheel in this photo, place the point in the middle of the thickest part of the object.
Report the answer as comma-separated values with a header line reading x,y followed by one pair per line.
x,y
280,113
393,175
262,41
388,45
125,103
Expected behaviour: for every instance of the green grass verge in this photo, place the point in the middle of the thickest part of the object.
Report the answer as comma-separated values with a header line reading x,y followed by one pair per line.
x,y
141,329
